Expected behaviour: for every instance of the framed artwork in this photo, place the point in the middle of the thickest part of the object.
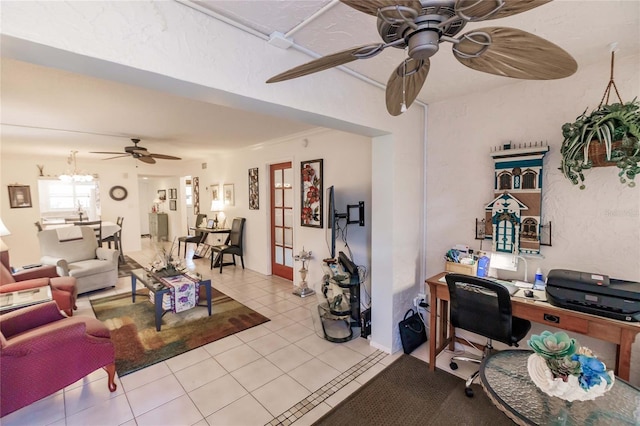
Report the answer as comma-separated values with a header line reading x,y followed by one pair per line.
x,y
215,192
196,195
173,193
311,193
254,196
162,194
229,196
210,223
172,205
19,196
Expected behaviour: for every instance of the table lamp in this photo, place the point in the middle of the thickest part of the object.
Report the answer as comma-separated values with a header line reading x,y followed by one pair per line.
x,y
216,207
3,247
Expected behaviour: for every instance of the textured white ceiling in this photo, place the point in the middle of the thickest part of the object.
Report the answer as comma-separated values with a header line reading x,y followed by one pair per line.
x,y
34,96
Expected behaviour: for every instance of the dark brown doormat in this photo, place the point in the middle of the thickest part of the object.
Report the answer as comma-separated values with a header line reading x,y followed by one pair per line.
x,y
407,393
139,345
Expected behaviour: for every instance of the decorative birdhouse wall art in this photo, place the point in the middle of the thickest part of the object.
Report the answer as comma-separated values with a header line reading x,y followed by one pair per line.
x,y
513,218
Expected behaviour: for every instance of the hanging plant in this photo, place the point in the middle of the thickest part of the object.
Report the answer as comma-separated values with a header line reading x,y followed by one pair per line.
x,y
608,136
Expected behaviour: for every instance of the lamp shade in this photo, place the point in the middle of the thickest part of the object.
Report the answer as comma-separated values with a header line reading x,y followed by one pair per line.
x,y
217,206
3,229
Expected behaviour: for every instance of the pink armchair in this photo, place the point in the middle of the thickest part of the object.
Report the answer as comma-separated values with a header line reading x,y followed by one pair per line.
x,y
42,351
63,289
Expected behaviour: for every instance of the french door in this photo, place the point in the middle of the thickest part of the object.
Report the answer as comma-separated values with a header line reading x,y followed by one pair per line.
x,y
282,220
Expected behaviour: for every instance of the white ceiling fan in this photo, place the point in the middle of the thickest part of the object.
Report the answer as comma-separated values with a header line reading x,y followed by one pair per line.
x,y
419,26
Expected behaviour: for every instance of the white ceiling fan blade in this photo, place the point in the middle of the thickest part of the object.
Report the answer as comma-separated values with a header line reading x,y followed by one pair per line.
x,y
510,52
481,10
330,61
401,92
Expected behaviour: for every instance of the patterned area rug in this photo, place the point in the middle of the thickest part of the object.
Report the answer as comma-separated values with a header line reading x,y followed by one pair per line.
x,y
125,270
407,393
139,345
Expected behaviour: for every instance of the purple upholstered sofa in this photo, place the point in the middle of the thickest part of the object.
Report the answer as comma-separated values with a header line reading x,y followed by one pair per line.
x,y
42,351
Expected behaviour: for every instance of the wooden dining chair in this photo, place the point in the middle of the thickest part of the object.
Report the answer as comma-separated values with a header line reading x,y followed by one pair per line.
x,y
116,239
97,228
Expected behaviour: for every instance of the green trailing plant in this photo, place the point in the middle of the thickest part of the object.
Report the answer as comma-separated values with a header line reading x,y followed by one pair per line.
x,y
616,127
619,122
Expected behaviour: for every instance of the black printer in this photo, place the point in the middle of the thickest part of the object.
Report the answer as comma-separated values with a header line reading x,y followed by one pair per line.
x,y
595,294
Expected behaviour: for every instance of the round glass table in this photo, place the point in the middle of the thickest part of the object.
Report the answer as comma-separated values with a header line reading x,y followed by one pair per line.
x,y
505,379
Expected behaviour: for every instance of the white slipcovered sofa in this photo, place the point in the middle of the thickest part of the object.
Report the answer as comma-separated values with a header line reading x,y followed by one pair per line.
x,y
74,251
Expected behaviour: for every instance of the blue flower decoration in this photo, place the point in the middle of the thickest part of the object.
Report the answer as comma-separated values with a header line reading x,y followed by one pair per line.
x,y
593,371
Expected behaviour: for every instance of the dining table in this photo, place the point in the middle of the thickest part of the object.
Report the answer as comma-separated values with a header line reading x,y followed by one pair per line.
x,y
108,228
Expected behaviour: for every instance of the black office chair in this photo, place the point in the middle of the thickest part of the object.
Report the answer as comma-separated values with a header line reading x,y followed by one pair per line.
x,y
232,246
195,238
483,307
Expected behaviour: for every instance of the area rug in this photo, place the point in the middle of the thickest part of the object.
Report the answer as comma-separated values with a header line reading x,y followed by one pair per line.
x,y
407,393
124,270
139,345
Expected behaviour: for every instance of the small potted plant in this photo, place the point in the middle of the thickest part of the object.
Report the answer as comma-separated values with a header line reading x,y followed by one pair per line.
x,y
608,136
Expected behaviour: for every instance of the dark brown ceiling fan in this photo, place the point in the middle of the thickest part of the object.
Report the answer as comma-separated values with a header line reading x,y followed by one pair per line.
x,y
137,152
419,26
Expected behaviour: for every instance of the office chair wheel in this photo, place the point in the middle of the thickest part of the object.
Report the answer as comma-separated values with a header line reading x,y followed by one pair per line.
x,y
468,392
453,365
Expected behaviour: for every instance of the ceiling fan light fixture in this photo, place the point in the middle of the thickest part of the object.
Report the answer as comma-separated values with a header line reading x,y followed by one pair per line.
x,y
424,44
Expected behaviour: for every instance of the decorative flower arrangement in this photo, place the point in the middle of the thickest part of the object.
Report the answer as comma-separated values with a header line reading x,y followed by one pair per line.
x,y
560,367
166,264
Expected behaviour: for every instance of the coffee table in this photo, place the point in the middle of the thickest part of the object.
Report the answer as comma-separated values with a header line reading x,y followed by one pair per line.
x,y
158,289
19,299
505,379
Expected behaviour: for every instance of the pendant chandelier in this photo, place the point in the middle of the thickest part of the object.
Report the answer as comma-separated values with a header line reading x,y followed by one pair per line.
x,y
75,175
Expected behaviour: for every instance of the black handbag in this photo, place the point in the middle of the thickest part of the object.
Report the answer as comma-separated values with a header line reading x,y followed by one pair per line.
x,y
412,331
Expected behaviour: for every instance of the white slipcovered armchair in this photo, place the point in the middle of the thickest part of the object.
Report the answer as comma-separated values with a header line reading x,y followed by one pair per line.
x,y
74,251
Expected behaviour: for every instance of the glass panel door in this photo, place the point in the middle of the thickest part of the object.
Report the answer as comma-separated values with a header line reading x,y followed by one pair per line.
x,y
282,220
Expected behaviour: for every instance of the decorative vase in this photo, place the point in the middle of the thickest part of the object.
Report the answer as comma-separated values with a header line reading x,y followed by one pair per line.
x,y
569,390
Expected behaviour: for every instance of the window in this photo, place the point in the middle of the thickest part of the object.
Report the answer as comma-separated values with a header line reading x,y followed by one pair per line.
x,y
529,180
530,229
505,180
61,199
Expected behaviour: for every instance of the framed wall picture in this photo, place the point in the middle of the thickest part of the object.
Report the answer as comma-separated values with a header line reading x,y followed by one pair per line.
x,y
173,193
19,196
311,193
254,195
172,205
196,195
229,195
162,194
215,192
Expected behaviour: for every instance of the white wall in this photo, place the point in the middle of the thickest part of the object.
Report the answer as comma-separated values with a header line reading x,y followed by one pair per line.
x,y
595,230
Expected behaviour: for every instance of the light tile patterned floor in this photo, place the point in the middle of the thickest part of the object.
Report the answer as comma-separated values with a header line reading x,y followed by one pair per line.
x,y
278,373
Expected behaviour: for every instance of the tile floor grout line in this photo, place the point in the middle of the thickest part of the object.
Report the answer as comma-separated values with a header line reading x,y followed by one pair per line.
x,y
307,404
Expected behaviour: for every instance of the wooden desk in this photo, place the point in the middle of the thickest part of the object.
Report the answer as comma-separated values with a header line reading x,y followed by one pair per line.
x,y
621,333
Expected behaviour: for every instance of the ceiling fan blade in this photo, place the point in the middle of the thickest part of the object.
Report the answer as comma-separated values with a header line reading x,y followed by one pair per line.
x,y
148,160
371,7
141,151
104,152
117,156
165,157
481,10
330,61
510,52
415,74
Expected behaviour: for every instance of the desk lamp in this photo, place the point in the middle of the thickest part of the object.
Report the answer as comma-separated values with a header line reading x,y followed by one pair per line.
x,y
216,207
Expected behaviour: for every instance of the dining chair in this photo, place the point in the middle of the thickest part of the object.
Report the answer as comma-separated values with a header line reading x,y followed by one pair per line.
x,y
116,239
483,307
232,246
96,225
196,238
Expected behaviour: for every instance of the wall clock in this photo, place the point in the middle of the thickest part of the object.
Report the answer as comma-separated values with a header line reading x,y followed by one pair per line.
x,y
118,193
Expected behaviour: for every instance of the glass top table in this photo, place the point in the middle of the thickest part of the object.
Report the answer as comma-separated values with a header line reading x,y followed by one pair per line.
x,y
158,289
505,379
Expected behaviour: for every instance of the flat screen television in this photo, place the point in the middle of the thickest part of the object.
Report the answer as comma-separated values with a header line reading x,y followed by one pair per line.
x,y
330,232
